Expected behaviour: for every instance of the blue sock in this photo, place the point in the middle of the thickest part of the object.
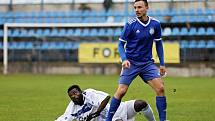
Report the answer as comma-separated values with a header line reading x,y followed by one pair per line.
x,y
161,107
113,107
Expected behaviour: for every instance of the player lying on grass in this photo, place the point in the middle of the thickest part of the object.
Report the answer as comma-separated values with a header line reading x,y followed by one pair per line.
x,y
92,105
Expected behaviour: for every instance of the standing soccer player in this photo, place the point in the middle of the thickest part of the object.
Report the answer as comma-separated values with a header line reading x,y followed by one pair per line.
x,y
138,35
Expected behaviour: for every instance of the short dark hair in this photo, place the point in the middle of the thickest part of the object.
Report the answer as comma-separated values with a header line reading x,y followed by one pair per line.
x,y
74,87
145,1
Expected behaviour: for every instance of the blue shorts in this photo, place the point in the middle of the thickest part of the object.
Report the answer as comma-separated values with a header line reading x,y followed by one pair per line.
x,y
147,71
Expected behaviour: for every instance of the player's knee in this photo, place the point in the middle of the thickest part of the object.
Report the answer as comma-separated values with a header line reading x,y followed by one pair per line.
x,y
121,91
160,90
139,105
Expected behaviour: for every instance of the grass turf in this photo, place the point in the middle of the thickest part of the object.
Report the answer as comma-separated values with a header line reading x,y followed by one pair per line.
x,y
28,97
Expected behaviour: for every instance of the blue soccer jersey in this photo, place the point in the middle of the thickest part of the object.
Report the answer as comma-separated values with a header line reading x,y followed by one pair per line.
x,y
139,38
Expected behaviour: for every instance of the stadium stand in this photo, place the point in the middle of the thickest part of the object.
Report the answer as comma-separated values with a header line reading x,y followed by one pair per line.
x,y
193,28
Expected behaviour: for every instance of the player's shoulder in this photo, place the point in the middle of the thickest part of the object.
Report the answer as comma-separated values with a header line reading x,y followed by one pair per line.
x,y
88,91
154,20
131,20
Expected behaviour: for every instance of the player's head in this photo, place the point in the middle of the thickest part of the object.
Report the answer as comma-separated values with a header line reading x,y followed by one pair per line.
x,y
141,8
75,94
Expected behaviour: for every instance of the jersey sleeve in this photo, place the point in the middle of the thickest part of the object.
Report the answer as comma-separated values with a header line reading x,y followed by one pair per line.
x,y
125,33
97,96
67,114
158,32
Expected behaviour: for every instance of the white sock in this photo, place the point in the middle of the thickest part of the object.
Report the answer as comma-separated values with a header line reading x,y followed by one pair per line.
x,y
148,113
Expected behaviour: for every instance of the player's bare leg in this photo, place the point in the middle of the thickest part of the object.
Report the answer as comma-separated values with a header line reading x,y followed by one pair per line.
x,y
158,85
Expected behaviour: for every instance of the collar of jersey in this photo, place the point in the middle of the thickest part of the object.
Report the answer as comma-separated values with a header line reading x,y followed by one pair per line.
x,y
143,23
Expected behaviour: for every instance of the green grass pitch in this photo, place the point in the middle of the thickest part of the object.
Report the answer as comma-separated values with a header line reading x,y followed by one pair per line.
x,y
28,97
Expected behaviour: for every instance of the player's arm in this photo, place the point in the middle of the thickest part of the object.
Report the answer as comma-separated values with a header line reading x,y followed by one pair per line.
x,y
160,50
100,109
121,49
121,46
160,53
67,114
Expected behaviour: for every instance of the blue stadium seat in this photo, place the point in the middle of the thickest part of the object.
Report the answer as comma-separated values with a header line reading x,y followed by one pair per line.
x,y
210,44
100,13
150,13
192,11
75,46
176,19
54,32
62,32
86,13
193,44
184,31
158,12
201,31
192,31
68,45
12,45
71,45
44,46
70,32
101,32
2,21
109,12
9,15
161,19
184,44
2,15
181,12
175,12
167,31
117,32
1,33
201,44
28,45
200,11
46,32
45,20
50,14
20,45
166,12
210,31
209,11
74,13
192,18
31,32
202,19
93,32
64,20
9,33
23,33
175,31
39,32
60,45
118,19
86,32
53,45
1,45
77,32
15,33
110,32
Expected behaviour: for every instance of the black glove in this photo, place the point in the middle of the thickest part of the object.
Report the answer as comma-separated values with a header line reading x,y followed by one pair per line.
x,y
91,116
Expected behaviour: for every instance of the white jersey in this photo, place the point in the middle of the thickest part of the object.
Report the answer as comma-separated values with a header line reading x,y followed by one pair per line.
x,y
92,100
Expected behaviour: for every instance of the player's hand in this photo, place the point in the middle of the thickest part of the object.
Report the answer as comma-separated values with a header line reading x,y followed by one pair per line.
x,y
126,64
91,116
163,71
